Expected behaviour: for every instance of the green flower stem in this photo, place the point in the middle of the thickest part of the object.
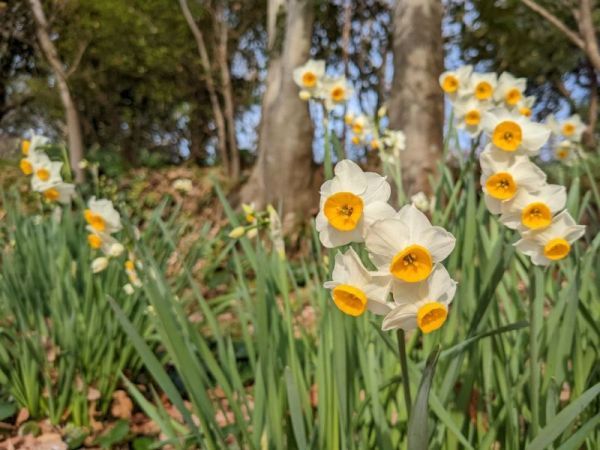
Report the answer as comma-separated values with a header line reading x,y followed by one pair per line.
x,y
404,365
535,313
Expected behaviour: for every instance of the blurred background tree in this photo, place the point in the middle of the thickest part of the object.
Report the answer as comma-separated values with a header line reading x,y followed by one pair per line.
x,y
155,86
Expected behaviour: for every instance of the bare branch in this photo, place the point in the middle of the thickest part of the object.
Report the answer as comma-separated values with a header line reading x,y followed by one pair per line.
x,y
77,59
551,18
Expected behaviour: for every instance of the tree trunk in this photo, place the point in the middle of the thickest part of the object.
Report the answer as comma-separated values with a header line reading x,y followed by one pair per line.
x,y
283,174
75,140
416,103
210,85
227,92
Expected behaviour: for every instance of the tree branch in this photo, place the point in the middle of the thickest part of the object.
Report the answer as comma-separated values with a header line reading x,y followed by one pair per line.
x,y
586,29
77,59
552,19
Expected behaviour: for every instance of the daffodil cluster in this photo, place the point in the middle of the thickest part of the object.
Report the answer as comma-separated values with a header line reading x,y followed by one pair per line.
x,y
404,246
513,186
568,134
45,174
316,85
474,94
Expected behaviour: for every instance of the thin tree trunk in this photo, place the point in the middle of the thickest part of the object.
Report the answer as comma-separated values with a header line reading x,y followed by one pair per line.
x,y
227,92
284,171
210,85
416,103
75,140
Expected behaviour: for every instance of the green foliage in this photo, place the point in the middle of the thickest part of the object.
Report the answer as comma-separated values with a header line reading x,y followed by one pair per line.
x,y
58,342
337,384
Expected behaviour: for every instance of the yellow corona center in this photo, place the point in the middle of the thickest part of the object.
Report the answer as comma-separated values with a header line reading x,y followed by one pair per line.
x,y
357,128
43,174
343,210
450,84
309,79
556,249
562,153
431,316
51,194
483,90
349,299
413,264
25,147
129,266
94,241
501,186
355,140
536,215
26,167
507,136
568,129
513,96
525,111
375,144
96,221
473,117
338,94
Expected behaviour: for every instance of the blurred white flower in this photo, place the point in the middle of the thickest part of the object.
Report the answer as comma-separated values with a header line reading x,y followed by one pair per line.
x,y
115,250
102,216
422,201
99,264
308,76
571,128
128,288
183,185
510,89
453,80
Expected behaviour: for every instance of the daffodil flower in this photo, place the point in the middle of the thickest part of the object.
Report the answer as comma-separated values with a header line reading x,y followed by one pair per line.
x,y
525,105
334,91
31,145
502,177
99,264
453,80
360,125
533,210
45,172
57,191
423,305
553,243
513,133
354,289
33,160
564,151
102,216
510,90
308,76
480,86
407,246
350,202
571,128
469,113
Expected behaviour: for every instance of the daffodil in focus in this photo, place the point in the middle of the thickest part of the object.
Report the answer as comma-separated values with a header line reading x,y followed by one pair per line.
x,y
453,80
571,128
407,246
335,91
422,305
510,90
553,243
480,86
469,114
350,202
502,177
534,211
308,76
354,289
102,217
513,133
